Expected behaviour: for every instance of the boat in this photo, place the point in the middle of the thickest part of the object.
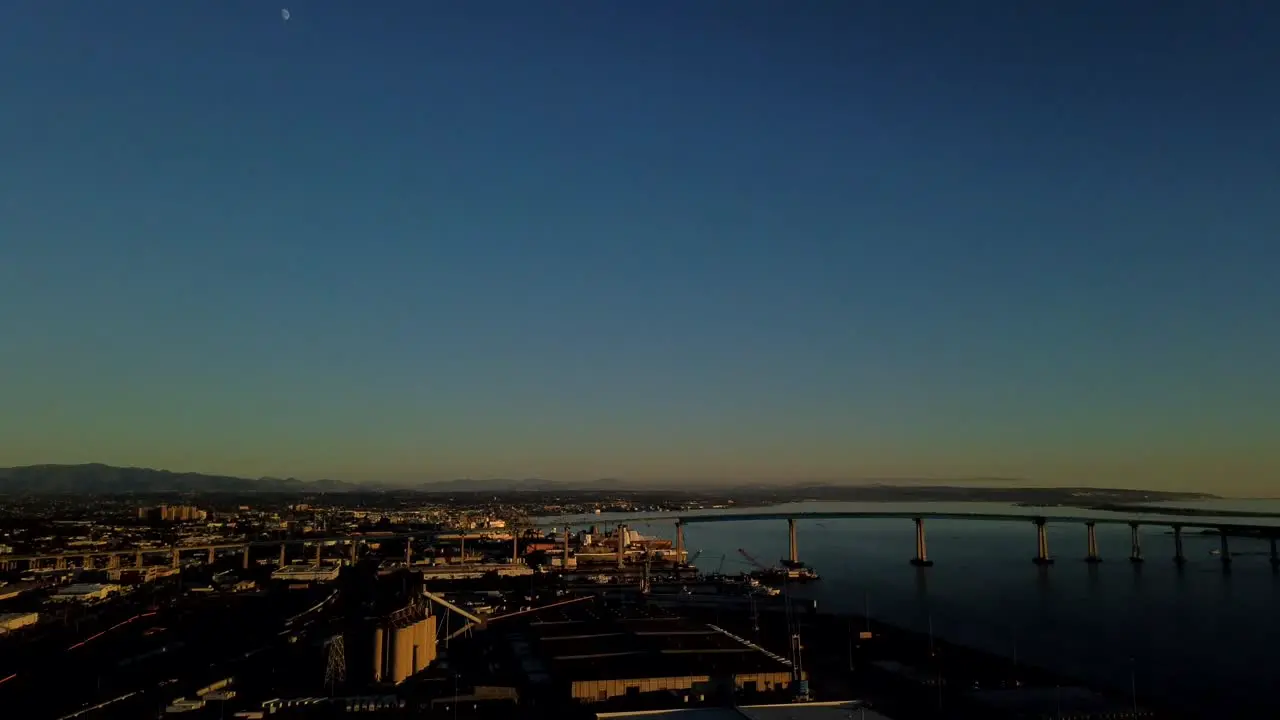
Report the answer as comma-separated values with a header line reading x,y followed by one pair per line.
x,y
789,571
780,575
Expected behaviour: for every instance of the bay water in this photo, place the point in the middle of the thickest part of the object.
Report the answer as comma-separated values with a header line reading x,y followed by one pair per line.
x,y
1197,635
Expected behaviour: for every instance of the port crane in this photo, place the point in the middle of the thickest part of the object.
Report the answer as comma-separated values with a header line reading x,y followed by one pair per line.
x,y
756,563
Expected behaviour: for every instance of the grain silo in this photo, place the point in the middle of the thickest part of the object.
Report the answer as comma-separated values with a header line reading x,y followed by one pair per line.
x,y
398,645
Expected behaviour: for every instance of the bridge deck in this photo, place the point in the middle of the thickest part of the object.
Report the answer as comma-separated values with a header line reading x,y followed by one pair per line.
x,y
1192,522
1203,523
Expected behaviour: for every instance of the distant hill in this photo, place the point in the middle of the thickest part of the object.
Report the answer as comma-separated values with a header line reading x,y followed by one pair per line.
x,y
99,479
503,485
95,478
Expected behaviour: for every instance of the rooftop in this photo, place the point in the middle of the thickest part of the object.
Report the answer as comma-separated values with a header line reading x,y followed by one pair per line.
x,y
305,571
811,711
1049,700
584,642
842,710
84,588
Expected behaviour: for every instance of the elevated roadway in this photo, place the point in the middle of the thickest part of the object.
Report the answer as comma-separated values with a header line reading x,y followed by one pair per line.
x,y
1238,527
351,543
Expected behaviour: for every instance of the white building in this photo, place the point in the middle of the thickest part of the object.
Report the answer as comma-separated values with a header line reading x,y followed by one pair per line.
x,y
13,621
306,573
84,592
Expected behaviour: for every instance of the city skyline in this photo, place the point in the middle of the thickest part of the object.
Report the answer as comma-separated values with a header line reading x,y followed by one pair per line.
x,y
661,242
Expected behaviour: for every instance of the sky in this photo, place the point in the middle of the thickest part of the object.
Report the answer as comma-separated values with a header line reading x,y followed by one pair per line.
x,y
663,241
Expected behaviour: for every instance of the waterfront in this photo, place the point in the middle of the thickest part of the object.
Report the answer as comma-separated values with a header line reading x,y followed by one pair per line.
x,y
1196,635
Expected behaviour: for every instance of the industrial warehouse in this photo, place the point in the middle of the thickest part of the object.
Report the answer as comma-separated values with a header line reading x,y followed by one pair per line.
x,y
597,655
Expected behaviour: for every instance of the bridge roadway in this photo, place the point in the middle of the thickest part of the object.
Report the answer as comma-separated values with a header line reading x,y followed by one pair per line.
x,y
1189,521
1224,530
1040,520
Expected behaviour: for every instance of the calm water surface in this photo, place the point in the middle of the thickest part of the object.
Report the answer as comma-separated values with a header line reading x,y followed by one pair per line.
x,y
1199,634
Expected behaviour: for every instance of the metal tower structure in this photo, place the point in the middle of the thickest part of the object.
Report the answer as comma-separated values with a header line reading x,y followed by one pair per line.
x,y
335,670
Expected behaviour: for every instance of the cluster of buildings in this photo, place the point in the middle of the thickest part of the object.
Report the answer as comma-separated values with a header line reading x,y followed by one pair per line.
x,y
621,546
172,513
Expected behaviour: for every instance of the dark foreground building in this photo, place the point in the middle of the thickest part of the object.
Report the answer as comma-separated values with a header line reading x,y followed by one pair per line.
x,y
592,655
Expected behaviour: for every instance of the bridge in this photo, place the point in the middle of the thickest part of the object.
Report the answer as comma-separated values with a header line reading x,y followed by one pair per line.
x,y
1041,522
174,553
353,543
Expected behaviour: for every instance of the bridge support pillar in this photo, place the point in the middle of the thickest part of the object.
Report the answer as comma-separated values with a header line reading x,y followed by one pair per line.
x,y
408,551
319,552
1042,544
565,566
622,545
137,559
1225,548
1093,556
281,563
1275,557
679,543
793,549
355,551
922,551
1135,543
1179,557
244,557
515,546
213,555
174,558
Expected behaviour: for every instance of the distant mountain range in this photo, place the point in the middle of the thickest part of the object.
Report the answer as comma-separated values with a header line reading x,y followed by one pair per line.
x,y
96,478
99,479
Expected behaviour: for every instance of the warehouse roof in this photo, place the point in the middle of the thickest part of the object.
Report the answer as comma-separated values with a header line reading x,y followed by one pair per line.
x,y
593,643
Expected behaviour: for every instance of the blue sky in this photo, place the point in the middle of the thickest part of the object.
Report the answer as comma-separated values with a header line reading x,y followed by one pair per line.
x,y
658,241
